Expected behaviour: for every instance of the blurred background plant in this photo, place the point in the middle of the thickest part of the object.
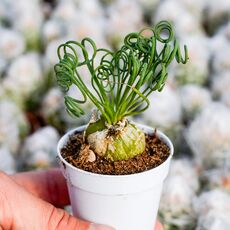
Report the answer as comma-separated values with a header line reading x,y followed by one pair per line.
x,y
193,109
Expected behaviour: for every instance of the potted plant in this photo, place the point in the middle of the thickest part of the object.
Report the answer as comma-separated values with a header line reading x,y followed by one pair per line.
x,y
115,168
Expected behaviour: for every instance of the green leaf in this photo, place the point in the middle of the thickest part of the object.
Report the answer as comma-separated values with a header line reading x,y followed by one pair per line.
x,y
99,125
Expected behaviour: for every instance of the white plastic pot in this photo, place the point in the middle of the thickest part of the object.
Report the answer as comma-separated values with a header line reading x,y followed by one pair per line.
x,y
125,202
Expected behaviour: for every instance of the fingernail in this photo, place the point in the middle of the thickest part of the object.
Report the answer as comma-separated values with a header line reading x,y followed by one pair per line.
x,y
99,227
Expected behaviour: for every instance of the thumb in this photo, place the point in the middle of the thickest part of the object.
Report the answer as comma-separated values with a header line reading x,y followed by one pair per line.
x,y
22,210
60,219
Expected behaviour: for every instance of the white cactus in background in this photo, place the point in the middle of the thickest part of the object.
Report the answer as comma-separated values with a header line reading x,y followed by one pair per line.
x,y
176,203
84,26
52,29
165,109
121,21
213,210
52,102
221,86
221,59
216,13
23,77
217,178
65,11
92,8
13,125
208,135
194,98
173,11
12,44
39,149
29,19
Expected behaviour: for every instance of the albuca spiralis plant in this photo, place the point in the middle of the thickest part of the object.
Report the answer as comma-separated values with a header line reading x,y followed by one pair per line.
x,y
121,83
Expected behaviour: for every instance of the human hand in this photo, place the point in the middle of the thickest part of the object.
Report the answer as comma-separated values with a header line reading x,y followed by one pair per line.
x,y
31,200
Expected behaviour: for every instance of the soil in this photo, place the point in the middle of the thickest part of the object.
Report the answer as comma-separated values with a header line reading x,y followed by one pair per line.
x,y
156,152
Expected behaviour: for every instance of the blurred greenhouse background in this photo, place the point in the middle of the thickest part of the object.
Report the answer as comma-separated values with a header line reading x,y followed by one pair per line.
x,y
193,109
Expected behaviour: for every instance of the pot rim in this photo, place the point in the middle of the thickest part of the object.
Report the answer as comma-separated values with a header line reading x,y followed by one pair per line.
x,y
160,134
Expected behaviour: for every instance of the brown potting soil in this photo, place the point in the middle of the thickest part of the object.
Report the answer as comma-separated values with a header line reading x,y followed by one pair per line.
x,y
156,152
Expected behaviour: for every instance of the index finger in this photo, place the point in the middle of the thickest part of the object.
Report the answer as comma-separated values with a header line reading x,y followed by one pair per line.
x,y
48,185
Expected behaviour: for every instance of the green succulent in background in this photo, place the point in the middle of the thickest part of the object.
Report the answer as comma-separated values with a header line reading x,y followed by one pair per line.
x,y
121,82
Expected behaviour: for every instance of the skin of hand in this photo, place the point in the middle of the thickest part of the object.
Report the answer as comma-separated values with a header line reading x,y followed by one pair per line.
x,y
33,201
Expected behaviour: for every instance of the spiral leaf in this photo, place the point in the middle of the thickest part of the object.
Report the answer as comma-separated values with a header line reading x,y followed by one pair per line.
x,y
121,80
